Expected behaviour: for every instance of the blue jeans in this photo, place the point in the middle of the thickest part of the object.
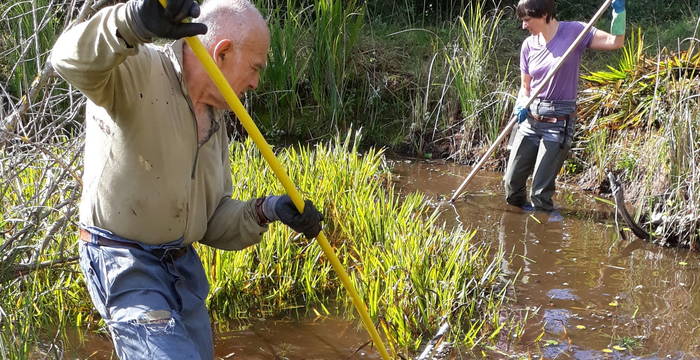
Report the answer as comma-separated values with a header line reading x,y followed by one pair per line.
x,y
152,297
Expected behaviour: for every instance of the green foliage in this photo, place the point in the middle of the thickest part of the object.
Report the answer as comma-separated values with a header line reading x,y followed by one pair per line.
x,y
409,270
628,95
642,120
337,27
27,29
478,79
638,11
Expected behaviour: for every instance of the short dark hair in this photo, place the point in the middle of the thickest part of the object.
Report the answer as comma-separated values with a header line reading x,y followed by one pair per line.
x,y
537,9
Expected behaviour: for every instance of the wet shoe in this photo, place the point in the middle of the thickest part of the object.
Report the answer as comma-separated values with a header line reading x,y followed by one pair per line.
x,y
555,216
527,207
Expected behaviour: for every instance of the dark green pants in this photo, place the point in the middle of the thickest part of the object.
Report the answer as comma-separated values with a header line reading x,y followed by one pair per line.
x,y
543,159
539,149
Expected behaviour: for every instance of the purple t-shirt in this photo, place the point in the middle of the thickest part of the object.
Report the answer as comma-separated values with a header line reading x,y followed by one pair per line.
x,y
537,59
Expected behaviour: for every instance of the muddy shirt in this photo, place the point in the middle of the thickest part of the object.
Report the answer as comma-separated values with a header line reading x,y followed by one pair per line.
x,y
537,59
146,178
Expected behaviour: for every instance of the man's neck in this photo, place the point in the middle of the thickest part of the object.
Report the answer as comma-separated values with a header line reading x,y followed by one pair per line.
x,y
195,80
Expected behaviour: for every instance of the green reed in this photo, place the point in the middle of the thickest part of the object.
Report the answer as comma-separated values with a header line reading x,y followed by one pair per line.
x,y
410,271
27,30
337,25
641,120
479,81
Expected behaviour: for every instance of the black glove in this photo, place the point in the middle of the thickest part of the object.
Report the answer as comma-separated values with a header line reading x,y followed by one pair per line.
x,y
151,19
282,208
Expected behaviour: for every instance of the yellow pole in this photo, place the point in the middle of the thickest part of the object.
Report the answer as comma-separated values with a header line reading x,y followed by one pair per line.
x,y
232,99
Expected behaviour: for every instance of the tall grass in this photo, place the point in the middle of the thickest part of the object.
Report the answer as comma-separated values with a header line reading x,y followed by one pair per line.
x,y
287,67
643,122
478,80
337,27
27,30
410,271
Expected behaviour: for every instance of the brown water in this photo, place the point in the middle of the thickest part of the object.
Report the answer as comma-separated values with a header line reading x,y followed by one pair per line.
x,y
591,290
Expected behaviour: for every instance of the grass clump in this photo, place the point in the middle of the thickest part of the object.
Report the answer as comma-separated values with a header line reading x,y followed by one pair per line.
x,y
642,121
410,271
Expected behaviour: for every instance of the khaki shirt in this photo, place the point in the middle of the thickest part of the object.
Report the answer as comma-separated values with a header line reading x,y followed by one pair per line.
x,y
146,178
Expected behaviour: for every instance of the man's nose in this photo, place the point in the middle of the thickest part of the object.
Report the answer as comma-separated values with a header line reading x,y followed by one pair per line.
x,y
254,83
524,25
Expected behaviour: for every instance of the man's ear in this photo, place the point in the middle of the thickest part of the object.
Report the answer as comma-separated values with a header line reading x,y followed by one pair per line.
x,y
222,49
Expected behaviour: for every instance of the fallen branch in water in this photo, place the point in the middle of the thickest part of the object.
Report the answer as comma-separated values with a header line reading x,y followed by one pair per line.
x,y
443,348
619,197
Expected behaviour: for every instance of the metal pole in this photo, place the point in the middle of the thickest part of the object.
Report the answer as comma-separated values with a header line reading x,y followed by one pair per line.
x,y
513,119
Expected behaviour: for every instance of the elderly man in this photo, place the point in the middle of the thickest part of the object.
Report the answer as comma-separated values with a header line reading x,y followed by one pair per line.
x,y
157,173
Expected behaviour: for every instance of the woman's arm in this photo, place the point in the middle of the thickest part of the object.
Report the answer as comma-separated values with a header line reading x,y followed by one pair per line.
x,y
606,41
525,90
616,38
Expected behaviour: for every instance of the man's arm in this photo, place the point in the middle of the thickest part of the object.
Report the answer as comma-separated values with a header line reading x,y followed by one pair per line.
x,y
235,224
87,56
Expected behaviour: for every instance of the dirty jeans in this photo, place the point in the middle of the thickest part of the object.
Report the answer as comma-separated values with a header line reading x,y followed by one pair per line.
x,y
542,147
151,299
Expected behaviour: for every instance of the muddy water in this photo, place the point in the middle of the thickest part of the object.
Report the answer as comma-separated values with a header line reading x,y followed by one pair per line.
x,y
593,290
590,289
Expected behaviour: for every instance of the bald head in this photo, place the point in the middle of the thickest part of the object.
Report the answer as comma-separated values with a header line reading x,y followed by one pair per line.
x,y
231,19
237,40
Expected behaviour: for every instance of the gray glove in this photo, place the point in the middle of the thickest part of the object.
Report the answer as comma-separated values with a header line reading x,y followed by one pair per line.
x,y
151,19
282,208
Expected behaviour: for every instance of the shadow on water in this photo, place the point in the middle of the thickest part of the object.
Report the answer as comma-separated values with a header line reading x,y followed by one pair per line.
x,y
593,292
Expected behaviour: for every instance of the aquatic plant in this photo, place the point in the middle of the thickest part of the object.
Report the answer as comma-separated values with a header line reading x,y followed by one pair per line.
x,y
641,119
410,271
479,81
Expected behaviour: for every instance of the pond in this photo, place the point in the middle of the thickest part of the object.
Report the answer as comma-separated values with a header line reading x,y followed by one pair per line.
x,y
594,291
594,295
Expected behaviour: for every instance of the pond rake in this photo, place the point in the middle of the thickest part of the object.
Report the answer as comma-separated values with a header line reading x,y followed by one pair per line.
x,y
232,99
514,119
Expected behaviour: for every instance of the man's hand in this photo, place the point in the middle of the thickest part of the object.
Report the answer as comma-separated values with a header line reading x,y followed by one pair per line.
x,y
619,18
153,20
521,113
282,208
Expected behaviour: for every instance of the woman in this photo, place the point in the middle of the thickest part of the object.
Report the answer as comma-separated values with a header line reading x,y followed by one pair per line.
x,y
544,136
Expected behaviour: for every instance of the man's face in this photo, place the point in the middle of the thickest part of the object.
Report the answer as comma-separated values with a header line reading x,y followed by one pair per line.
x,y
241,65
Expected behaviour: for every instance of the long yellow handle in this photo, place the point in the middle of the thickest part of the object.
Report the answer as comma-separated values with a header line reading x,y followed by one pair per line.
x,y
232,99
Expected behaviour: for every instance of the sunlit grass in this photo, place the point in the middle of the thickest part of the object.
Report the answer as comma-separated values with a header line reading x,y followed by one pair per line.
x,y
410,271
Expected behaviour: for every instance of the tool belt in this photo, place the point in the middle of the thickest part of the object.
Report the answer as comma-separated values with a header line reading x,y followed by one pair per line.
x,y
88,237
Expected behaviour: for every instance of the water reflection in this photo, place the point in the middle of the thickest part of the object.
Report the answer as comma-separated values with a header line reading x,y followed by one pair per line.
x,y
594,290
